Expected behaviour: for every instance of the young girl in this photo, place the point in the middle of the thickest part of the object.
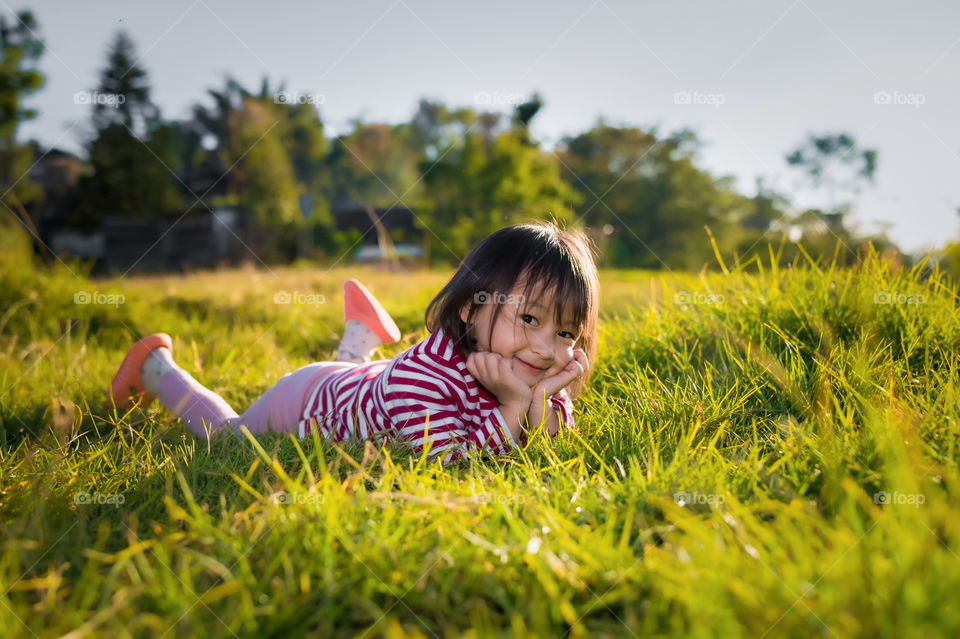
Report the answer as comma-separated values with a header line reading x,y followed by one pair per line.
x,y
512,339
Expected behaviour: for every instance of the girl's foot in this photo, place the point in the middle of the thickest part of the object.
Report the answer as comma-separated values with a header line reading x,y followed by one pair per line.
x,y
368,324
127,386
360,304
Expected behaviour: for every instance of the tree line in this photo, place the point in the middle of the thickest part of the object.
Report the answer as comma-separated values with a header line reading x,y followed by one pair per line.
x,y
463,171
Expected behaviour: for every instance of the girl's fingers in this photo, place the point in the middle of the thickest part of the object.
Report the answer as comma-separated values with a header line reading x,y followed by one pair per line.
x,y
478,365
575,367
581,357
488,367
483,367
506,370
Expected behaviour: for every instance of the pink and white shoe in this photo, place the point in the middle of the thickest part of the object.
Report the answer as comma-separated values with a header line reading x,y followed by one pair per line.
x,y
360,304
127,387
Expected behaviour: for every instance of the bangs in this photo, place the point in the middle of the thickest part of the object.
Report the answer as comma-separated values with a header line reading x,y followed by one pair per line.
x,y
552,278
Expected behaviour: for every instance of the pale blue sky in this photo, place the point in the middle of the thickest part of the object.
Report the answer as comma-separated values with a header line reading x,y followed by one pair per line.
x,y
781,68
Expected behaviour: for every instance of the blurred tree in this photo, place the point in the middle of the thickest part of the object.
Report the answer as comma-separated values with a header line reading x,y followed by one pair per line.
x,y
487,179
295,125
301,134
130,178
437,128
838,163
820,157
132,157
950,258
377,165
215,122
263,184
650,198
182,141
123,95
766,208
525,112
766,222
20,49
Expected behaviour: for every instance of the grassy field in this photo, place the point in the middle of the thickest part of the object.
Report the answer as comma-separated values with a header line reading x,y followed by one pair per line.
x,y
759,455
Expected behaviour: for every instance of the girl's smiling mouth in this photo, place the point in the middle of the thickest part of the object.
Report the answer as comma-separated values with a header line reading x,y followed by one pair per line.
x,y
530,367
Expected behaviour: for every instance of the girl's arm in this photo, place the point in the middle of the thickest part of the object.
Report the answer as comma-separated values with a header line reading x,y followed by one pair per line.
x,y
495,372
425,411
550,401
553,412
513,415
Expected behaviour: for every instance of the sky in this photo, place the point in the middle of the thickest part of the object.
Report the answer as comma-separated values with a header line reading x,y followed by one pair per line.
x,y
752,79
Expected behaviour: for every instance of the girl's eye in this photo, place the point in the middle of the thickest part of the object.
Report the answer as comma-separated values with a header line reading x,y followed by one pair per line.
x,y
568,335
528,318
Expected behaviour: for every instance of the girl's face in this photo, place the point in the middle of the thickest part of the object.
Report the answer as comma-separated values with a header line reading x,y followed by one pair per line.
x,y
525,333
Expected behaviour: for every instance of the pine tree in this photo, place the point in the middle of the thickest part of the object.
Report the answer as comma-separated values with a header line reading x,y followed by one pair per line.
x,y
123,95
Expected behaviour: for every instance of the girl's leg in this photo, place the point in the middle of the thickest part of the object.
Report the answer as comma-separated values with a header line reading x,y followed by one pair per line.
x,y
148,370
281,406
198,407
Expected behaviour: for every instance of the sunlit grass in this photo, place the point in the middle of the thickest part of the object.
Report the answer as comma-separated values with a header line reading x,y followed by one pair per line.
x,y
737,436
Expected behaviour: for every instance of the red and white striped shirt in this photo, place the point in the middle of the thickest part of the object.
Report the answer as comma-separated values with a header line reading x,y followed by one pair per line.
x,y
425,388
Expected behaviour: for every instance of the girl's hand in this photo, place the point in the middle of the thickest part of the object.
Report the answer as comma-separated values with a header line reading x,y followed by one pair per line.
x,y
496,373
550,386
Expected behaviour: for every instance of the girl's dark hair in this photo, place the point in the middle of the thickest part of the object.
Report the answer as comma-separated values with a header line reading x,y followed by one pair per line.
x,y
544,259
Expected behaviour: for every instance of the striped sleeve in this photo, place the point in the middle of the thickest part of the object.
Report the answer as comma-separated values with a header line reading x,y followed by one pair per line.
x,y
424,411
563,405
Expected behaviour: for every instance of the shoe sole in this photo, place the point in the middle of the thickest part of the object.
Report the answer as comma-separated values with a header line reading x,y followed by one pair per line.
x,y
126,386
360,304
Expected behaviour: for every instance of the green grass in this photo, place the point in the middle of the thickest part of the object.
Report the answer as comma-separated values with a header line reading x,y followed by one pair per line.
x,y
722,482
